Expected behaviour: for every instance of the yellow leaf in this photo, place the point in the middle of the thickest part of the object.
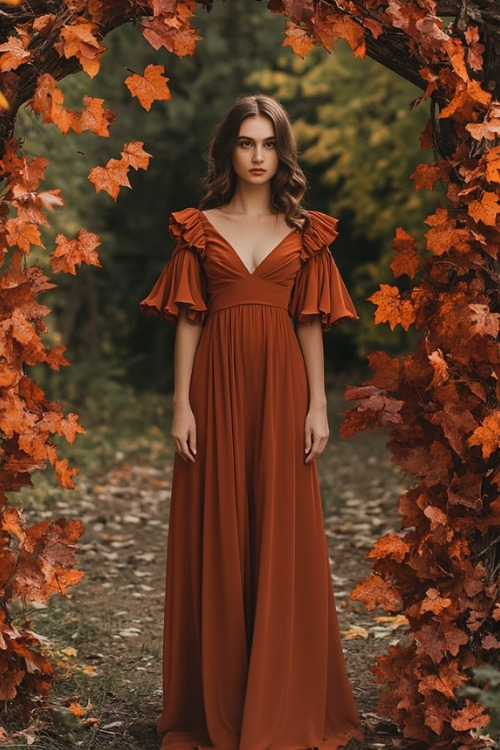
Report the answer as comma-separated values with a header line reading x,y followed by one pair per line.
x,y
356,632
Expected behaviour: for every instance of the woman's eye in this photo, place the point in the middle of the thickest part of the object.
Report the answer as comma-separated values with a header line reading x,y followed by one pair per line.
x,y
245,144
270,144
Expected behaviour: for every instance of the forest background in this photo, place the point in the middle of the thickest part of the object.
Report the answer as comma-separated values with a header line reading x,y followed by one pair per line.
x,y
359,142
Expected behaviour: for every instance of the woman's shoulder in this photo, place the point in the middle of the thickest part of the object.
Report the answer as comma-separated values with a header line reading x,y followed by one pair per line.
x,y
187,225
320,232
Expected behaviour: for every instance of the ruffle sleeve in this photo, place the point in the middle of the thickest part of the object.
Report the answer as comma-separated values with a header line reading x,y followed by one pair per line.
x,y
182,279
319,288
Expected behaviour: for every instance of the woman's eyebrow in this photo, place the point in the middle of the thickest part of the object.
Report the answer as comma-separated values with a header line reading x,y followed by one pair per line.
x,y
249,138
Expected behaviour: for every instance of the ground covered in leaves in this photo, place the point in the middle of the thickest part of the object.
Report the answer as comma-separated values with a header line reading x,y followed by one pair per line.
x,y
106,639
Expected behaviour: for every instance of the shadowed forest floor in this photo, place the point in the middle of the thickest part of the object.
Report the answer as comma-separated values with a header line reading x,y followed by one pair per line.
x,y
107,637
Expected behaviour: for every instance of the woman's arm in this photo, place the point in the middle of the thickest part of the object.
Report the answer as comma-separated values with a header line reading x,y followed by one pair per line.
x,y
183,430
316,426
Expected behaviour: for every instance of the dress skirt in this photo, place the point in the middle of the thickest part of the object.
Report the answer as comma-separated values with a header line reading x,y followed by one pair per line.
x,y
252,651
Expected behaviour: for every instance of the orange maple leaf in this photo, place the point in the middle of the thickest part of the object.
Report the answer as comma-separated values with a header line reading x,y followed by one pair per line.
x,y
71,253
406,260
487,435
43,23
484,321
78,40
435,603
64,474
374,592
134,155
444,234
392,546
150,86
493,164
393,307
471,716
48,101
93,117
23,235
468,96
440,367
13,53
432,82
298,39
110,177
330,25
486,210
12,522
475,48
426,175
172,33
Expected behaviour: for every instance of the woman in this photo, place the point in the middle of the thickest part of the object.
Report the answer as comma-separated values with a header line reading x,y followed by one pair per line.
x,y
252,654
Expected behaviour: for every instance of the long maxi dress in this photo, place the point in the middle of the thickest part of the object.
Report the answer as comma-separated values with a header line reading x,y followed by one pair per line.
x,y
252,651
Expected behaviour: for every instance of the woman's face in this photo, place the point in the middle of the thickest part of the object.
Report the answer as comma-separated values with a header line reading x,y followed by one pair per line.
x,y
255,159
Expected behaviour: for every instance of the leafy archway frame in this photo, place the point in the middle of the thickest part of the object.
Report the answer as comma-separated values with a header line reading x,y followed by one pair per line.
x,y
441,401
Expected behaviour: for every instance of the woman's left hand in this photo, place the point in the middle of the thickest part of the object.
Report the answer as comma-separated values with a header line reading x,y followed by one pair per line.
x,y
317,433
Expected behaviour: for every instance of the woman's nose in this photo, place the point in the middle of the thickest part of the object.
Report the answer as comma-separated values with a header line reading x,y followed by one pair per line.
x,y
257,154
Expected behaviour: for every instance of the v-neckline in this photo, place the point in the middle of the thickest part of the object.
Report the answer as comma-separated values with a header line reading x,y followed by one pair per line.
x,y
235,252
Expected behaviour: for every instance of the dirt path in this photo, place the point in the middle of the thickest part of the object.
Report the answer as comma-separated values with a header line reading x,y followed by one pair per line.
x,y
108,636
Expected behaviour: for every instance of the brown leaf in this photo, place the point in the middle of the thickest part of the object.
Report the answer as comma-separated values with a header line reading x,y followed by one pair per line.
x,y
386,371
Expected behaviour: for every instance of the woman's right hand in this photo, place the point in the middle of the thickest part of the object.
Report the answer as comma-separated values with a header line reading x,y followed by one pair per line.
x,y
184,433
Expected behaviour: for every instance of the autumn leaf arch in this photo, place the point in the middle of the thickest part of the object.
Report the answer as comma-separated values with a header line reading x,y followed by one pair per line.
x,y
441,400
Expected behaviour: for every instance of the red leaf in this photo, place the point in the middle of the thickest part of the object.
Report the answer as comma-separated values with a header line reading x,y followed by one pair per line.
x,y
386,371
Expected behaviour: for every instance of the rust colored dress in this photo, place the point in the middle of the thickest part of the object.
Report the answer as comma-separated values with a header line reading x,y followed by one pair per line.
x,y
252,652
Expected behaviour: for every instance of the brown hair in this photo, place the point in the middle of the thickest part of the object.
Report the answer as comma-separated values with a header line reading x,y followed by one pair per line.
x,y
288,185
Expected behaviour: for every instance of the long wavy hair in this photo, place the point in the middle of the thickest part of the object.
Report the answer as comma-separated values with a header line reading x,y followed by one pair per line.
x,y
288,185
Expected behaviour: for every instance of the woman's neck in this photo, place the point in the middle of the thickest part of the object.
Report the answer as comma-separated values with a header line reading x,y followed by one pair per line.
x,y
251,202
